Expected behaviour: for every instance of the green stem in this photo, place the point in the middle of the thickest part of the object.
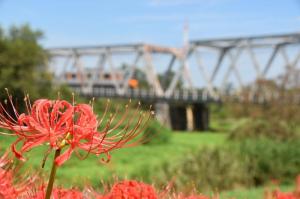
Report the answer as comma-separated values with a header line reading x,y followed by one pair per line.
x,y
52,175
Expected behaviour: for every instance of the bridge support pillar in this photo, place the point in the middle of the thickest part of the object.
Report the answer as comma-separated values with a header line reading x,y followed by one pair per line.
x,y
189,117
162,113
201,117
178,117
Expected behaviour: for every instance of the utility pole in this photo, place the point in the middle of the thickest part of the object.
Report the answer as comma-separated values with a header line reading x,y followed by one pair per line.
x,y
185,51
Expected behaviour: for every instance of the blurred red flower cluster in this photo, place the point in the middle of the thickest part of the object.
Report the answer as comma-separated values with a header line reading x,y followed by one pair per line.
x,y
277,194
57,193
6,183
130,189
9,188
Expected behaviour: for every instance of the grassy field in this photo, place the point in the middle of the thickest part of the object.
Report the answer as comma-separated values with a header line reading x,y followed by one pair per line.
x,y
129,162
124,162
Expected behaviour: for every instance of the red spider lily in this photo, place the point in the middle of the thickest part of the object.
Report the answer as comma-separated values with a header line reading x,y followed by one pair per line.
x,y
194,196
57,193
7,189
8,174
131,189
67,126
279,195
197,197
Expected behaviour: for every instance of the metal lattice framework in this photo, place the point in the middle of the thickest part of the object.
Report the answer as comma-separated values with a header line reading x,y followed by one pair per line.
x,y
232,48
227,52
141,54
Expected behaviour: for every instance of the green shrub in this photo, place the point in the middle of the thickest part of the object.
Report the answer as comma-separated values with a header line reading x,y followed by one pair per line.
x,y
217,168
245,163
157,134
270,159
261,128
219,111
205,170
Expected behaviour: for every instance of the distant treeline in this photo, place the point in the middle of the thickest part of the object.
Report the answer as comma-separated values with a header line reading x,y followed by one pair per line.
x,y
22,62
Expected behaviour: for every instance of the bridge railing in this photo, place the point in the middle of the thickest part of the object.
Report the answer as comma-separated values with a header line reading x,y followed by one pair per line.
x,y
149,94
187,96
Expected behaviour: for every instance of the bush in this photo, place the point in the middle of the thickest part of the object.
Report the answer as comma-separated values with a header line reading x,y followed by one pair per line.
x,y
219,111
261,128
157,133
247,163
268,159
205,170
209,168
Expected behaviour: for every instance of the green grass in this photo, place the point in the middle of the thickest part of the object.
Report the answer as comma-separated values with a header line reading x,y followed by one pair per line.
x,y
125,162
253,193
225,124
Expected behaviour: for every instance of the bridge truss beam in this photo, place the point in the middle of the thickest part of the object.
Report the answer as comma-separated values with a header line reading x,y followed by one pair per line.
x,y
228,52
232,48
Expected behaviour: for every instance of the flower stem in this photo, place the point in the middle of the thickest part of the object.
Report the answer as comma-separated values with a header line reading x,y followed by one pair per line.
x,y
52,175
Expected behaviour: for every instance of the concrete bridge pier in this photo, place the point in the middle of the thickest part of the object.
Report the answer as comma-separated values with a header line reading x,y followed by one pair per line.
x,y
190,122
186,117
162,113
201,117
178,117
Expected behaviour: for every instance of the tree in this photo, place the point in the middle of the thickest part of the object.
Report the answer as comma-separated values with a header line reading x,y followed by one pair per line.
x,y
22,63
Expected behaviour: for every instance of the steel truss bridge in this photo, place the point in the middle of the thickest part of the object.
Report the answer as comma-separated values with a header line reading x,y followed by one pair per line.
x,y
174,73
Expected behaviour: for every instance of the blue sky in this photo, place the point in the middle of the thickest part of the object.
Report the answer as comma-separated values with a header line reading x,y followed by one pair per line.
x,y
94,22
